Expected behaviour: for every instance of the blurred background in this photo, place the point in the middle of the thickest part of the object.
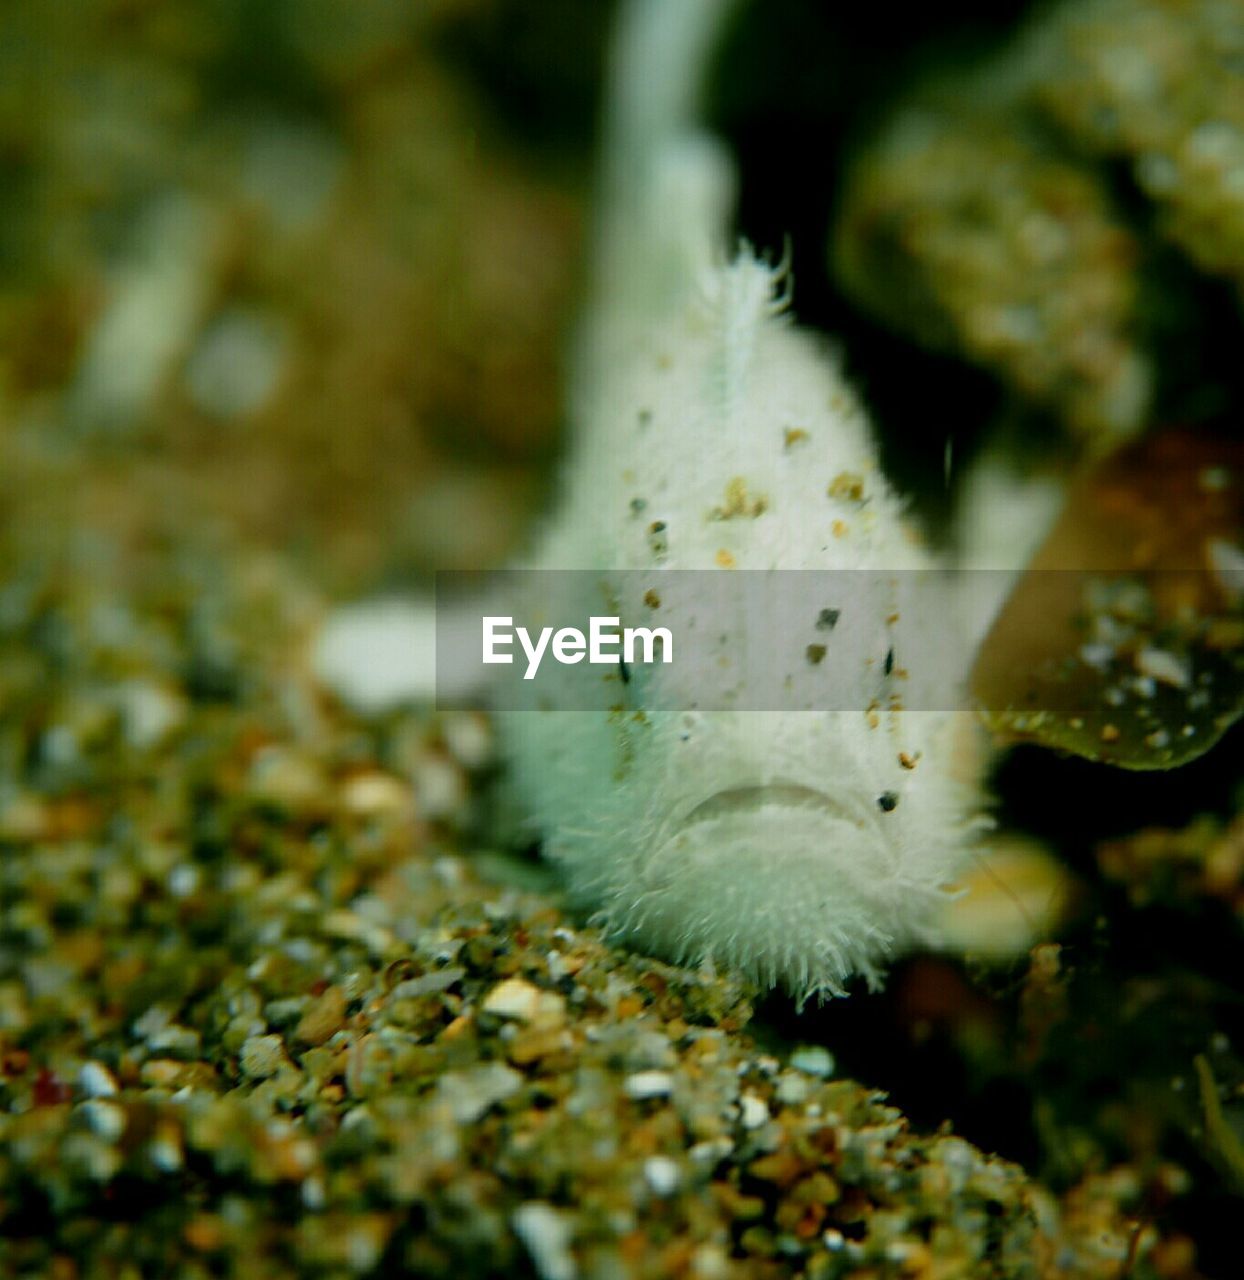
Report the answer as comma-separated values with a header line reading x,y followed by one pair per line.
x,y
304,272
286,292
294,273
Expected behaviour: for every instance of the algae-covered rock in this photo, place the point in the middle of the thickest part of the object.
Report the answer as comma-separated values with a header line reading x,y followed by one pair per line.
x,y
1012,215
1157,84
967,231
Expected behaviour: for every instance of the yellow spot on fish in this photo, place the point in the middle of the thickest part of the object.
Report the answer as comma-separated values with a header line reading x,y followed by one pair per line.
x,y
847,486
737,502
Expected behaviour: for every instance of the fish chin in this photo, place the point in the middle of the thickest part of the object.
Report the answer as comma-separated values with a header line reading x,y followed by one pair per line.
x,y
778,880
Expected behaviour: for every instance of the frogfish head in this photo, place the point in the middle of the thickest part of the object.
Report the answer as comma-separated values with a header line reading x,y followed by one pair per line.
x,y
800,847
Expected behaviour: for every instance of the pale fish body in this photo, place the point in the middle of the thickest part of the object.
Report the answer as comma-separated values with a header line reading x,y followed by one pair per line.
x,y
801,847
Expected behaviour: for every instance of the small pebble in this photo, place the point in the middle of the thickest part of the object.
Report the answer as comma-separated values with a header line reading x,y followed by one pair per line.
x,y
262,1056
323,1018
754,1112
649,1084
470,1093
165,1149
96,1081
662,1175
814,1060
546,1233
107,1119
793,1089
513,998
375,794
